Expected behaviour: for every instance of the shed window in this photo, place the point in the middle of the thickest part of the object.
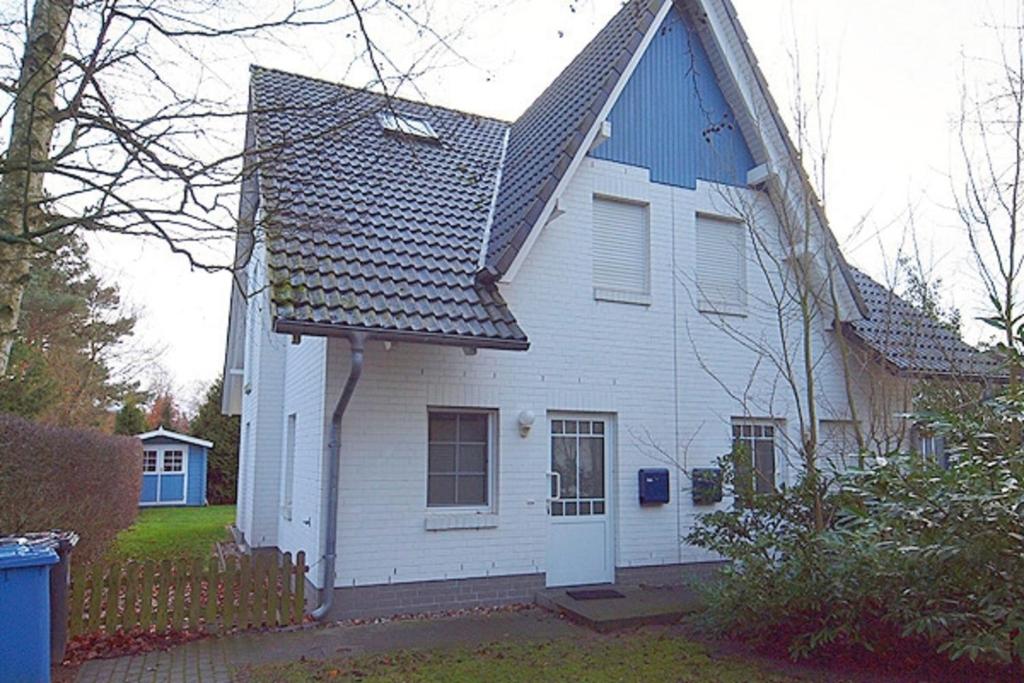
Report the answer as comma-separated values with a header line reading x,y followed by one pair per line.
x,y
460,458
174,461
721,265
622,251
149,461
407,125
757,439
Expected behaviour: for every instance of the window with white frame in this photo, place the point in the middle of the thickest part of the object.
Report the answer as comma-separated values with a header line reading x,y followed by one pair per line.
x,y
837,445
460,458
149,461
288,476
757,440
928,443
622,251
174,461
721,265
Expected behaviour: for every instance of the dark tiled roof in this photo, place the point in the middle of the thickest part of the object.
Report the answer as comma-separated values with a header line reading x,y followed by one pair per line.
x,y
912,342
371,231
544,140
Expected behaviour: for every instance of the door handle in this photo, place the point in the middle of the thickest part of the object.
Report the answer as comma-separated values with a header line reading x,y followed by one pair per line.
x,y
557,479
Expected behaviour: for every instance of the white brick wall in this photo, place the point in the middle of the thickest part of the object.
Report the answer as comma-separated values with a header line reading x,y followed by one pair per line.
x,y
304,384
670,377
262,400
660,371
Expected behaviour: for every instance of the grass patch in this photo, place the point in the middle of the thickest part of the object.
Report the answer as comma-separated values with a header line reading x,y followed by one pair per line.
x,y
171,533
631,657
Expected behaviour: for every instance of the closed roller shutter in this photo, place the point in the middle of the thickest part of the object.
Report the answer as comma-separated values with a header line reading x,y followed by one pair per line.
x,y
621,247
721,265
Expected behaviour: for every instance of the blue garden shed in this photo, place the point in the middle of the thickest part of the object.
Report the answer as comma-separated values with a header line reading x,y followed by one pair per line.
x,y
173,468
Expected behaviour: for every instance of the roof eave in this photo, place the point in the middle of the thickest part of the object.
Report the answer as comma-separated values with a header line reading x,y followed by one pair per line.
x,y
176,436
296,327
761,82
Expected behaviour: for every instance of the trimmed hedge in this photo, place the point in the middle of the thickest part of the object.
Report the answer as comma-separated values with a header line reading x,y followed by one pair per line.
x,y
76,479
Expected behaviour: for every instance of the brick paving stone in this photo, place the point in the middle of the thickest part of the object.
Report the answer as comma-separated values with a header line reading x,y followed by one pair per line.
x,y
214,659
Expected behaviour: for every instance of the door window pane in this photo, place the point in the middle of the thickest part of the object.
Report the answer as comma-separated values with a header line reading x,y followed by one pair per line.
x,y
591,468
764,466
578,458
757,442
563,460
149,461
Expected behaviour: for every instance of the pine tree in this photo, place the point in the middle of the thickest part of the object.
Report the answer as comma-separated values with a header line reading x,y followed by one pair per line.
x,y
222,465
71,328
130,419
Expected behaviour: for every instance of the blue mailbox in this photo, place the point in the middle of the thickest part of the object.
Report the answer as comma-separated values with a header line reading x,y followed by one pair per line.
x,y
653,486
25,612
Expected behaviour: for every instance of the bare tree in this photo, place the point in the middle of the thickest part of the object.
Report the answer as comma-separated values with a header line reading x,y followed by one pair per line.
x,y
989,192
118,122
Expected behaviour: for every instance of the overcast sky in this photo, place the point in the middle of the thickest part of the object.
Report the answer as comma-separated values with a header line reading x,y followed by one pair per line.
x,y
892,70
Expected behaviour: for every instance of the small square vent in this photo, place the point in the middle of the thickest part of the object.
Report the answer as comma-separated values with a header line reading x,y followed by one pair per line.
x,y
404,124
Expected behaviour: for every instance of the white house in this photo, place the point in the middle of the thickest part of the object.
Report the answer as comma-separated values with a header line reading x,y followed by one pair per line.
x,y
458,344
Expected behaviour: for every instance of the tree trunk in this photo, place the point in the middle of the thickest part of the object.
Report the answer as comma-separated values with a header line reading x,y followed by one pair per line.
x,y
21,186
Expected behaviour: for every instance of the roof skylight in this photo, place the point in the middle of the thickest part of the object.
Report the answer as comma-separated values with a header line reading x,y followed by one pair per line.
x,y
407,125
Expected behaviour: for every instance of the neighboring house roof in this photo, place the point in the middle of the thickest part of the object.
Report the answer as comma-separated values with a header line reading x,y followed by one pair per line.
x,y
544,140
372,231
912,342
166,433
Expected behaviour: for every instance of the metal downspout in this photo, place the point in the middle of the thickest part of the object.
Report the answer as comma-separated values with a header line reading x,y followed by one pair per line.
x,y
357,343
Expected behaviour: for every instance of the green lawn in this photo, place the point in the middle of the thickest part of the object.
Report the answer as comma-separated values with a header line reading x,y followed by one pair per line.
x,y
170,533
649,657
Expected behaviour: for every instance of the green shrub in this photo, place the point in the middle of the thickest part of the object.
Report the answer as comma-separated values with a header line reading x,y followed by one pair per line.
x,y
912,554
75,479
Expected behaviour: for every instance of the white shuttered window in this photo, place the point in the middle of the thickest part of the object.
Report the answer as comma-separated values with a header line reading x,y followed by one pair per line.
x,y
721,265
622,252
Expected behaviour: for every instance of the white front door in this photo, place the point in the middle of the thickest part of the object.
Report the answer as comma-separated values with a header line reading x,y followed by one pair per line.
x,y
580,536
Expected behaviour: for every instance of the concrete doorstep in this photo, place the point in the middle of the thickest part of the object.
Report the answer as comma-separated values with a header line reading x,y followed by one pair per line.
x,y
640,606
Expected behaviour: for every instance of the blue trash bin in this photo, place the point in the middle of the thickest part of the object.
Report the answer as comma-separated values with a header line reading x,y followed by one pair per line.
x,y
25,612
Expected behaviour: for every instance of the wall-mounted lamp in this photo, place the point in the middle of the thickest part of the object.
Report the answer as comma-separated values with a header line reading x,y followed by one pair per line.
x,y
526,419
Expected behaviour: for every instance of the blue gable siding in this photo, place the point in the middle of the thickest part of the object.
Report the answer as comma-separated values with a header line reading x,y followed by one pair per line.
x,y
672,117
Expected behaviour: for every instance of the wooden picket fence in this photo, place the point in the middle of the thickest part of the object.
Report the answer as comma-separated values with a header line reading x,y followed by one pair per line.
x,y
183,595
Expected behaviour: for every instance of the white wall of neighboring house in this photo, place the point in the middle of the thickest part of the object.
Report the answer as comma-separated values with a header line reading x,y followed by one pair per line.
x,y
670,377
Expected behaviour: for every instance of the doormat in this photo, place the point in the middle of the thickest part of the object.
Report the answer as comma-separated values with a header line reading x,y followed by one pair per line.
x,y
594,594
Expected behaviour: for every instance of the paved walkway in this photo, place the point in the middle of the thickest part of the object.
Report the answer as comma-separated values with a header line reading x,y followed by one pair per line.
x,y
214,659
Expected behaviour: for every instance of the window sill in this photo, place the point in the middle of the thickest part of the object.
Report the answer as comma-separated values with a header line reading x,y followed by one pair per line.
x,y
734,311
620,297
456,521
